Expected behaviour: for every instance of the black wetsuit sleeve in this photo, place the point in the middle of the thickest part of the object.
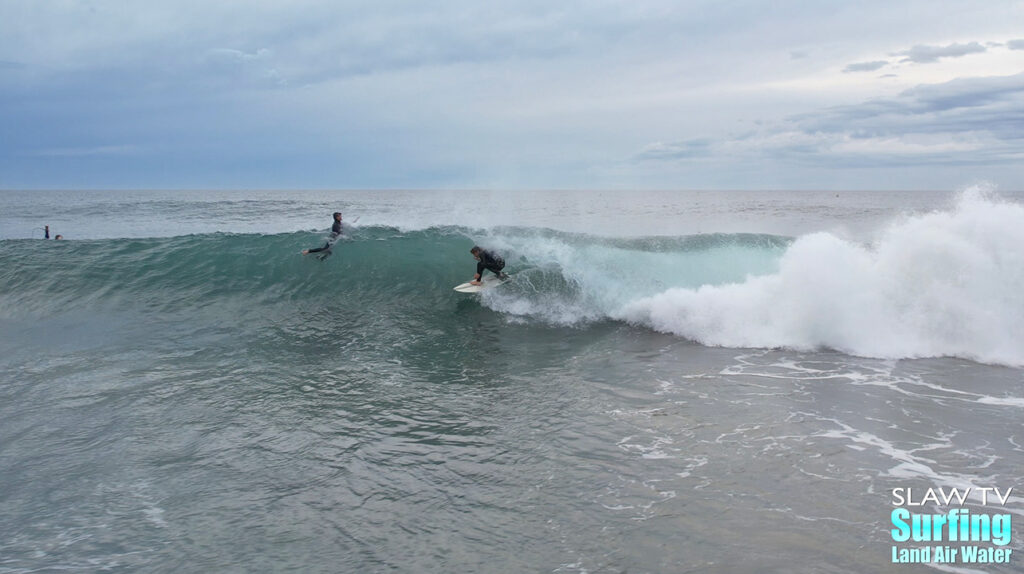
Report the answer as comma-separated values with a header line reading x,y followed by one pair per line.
x,y
486,262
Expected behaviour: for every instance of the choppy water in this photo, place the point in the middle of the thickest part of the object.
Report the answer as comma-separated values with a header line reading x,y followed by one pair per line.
x,y
672,383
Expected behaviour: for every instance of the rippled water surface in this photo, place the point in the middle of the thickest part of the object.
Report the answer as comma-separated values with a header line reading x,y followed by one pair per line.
x,y
209,400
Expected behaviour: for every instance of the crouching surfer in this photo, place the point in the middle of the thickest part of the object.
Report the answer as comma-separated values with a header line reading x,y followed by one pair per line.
x,y
489,261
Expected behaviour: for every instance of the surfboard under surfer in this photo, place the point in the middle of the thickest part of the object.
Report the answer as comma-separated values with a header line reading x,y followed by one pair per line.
x,y
487,260
325,251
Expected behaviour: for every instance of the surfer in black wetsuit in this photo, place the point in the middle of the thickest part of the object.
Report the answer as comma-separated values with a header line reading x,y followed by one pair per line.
x,y
325,251
487,260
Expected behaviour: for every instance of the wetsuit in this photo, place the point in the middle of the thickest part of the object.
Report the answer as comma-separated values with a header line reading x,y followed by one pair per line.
x,y
489,261
335,232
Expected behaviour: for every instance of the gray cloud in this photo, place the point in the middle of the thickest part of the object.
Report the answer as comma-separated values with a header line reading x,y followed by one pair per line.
x,y
1015,44
927,54
465,92
967,121
676,150
866,66
991,104
321,42
967,93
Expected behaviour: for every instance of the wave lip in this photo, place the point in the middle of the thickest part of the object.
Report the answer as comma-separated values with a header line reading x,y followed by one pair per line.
x,y
947,283
576,279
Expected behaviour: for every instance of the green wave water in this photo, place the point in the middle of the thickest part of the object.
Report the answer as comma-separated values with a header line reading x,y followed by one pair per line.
x,y
376,267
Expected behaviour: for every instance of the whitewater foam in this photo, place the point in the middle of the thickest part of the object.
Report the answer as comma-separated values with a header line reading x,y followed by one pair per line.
x,y
576,279
946,283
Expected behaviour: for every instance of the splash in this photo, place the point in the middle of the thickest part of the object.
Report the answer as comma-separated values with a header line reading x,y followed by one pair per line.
x,y
947,283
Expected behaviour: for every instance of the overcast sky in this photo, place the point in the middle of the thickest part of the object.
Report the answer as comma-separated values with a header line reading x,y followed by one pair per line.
x,y
785,94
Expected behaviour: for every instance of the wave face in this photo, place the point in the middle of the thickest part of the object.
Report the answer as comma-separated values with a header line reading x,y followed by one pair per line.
x,y
947,283
594,274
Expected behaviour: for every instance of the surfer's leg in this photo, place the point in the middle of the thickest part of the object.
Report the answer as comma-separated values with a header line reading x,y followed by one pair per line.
x,y
497,270
319,249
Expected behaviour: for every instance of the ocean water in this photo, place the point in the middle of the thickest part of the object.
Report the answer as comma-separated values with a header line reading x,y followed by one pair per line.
x,y
673,382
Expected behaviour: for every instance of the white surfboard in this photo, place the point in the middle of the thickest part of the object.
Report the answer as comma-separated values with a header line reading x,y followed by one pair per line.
x,y
489,282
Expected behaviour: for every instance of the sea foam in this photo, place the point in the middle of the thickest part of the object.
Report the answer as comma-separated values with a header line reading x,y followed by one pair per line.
x,y
946,283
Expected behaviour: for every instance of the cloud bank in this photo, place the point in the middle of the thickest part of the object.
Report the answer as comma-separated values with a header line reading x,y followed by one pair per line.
x,y
929,54
508,95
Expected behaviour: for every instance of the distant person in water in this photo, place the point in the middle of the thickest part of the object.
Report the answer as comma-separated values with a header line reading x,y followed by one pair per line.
x,y
489,261
46,233
325,251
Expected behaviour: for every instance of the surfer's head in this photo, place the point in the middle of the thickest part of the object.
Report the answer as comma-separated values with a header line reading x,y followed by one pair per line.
x,y
475,251
337,216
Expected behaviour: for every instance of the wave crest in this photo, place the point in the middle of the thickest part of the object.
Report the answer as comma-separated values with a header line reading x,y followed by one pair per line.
x,y
947,283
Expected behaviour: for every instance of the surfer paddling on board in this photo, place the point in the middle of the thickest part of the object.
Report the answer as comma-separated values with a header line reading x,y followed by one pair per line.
x,y
487,260
326,249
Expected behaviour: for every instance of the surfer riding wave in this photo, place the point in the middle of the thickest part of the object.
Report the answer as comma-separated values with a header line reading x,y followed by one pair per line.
x,y
325,251
489,261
